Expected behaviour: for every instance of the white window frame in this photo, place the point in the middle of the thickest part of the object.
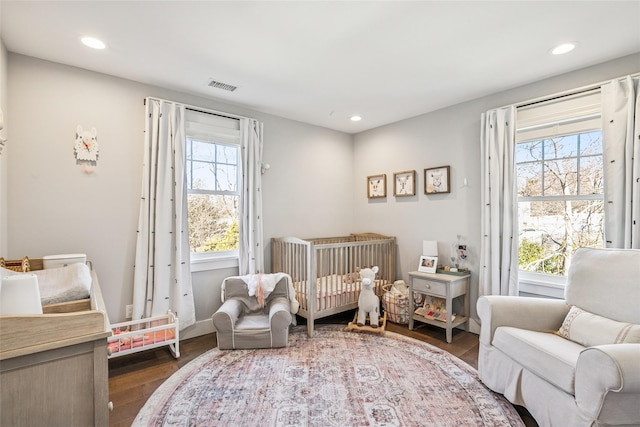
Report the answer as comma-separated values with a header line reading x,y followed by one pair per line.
x,y
572,114
205,261
547,285
222,130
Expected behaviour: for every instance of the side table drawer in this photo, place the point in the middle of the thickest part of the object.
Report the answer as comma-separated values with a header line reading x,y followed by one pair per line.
x,y
429,286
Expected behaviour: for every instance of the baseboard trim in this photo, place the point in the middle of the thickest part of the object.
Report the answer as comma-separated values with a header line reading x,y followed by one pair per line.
x,y
474,326
201,327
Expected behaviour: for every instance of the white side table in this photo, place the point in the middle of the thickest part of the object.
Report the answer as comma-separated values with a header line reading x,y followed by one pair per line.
x,y
447,286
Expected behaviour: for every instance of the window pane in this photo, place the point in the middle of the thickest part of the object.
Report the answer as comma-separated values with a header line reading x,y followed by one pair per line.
x,y
551,231
213,222
227,154
562,146
591,143
188,174
529,182
591,175
205,151
560,177
202,176
227,178
528,151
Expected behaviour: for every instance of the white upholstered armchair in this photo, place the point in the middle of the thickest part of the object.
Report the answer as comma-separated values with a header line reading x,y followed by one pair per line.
x,y
572,362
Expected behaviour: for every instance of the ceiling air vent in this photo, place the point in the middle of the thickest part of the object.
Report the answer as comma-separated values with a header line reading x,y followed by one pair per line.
x,y
223,86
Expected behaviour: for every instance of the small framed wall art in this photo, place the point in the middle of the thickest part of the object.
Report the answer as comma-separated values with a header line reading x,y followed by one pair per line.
x,y
437,180
428,264
404,183
377,186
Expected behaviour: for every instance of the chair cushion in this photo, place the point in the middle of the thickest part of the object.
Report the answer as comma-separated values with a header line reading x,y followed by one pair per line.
x,y
544,353
254,322
590,329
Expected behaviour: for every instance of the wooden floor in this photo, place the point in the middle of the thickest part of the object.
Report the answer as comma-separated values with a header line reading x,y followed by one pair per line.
x,y
132,379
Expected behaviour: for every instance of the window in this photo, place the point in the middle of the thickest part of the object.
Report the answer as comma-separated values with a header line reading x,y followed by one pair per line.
x,y
213,184
560,187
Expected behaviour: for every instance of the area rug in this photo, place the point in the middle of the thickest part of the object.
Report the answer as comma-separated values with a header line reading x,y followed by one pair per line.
x,y
336,378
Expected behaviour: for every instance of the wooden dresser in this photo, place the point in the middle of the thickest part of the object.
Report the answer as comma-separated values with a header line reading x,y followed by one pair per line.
x,y
53,367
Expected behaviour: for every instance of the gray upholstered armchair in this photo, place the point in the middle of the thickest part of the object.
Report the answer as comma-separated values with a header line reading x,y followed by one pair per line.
x,y
574,362
241,323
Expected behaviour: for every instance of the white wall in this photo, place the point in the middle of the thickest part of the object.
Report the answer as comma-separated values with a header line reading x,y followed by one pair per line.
x,y
3,157
316,185
54,207
450,136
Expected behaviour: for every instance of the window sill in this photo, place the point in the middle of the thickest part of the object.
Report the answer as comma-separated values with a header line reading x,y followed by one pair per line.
x,y
543,285
214,263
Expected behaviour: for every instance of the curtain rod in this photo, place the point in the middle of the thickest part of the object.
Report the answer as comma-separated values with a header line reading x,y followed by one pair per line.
x,y
566,92
200,109
557,96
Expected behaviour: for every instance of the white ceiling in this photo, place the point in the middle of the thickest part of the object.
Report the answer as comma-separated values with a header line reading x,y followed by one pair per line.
x,y
321,62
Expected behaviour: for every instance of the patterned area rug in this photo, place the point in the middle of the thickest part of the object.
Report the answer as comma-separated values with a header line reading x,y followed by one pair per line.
x,y
337,379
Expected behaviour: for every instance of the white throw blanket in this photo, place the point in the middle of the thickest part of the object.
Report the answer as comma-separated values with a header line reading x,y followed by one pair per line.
x,y
265,284
62,284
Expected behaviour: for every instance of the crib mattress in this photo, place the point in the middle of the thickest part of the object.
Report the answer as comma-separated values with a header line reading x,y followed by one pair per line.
x,y
334,290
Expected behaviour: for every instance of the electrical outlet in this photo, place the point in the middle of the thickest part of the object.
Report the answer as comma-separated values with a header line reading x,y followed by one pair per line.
x,y
129,311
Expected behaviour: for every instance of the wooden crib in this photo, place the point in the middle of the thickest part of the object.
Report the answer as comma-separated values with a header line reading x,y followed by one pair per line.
x,y
324,270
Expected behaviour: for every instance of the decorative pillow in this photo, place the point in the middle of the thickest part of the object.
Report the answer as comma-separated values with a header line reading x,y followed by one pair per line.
x,y
590,329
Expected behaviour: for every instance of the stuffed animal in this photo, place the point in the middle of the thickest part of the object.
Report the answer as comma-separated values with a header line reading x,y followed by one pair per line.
x,y
368,302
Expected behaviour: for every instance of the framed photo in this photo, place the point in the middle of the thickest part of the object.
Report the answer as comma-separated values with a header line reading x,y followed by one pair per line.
x,y
377,186
437,180
428,264
404,183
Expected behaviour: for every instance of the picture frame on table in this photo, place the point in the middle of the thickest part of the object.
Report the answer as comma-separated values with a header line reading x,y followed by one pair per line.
x,y
404,183
377,186
428,264
437,180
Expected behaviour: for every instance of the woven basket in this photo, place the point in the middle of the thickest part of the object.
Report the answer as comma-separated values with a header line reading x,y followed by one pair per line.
x,y
21,265
395,305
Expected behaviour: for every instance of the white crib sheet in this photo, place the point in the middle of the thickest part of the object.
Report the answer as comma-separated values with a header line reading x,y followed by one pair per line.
x,y
334,290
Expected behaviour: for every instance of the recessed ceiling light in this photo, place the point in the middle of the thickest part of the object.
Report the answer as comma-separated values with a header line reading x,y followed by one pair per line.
x,y
356,118
563,48
93,42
